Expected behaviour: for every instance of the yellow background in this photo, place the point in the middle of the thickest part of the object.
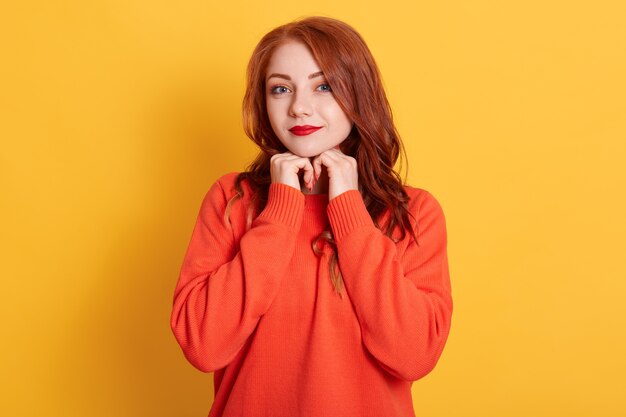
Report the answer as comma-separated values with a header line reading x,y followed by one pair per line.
x,y
116,117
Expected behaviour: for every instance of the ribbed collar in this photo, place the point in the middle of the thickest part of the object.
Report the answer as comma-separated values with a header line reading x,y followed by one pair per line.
x,y
315,217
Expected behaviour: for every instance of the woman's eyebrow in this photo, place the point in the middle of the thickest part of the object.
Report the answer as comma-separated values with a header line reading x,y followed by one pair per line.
x,y
286,77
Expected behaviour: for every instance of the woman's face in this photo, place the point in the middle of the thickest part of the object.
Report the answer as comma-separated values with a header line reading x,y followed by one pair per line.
x,y
301,107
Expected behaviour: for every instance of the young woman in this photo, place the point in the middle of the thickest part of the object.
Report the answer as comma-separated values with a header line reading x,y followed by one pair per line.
x,y
316,283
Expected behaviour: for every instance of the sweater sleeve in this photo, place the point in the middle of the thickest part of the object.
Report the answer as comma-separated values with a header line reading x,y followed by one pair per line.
x,y
224,288
403,304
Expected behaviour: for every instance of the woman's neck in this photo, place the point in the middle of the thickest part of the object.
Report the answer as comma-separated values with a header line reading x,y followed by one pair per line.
x,y
321,185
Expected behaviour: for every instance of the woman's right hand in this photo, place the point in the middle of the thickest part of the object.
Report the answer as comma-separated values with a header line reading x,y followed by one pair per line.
x,y
284,169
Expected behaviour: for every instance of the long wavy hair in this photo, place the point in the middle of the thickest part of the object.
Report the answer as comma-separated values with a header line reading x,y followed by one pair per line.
x,y
354,78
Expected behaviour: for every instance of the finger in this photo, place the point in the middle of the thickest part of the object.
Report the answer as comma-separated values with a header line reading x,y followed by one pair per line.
x,y
337,157
286,168
308,173
327,158
289,159
285,156
336,153
332,155
317,165
336,160
282,159
289,162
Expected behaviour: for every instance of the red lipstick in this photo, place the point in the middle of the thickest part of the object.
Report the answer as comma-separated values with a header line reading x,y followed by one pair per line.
x,y
304,130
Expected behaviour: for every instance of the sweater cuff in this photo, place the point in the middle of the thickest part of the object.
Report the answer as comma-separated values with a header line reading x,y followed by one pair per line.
x,y
285,205
348,212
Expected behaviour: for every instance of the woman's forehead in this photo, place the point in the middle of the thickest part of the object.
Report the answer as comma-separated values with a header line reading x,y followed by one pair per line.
x,y
293,59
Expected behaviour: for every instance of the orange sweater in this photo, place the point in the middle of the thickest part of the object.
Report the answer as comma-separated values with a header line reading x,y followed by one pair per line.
x,y
260,310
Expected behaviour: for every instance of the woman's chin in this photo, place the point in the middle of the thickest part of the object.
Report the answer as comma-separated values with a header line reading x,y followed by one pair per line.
x,y
307,153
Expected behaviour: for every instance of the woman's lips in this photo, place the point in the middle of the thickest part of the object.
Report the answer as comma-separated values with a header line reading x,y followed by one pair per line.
x,y
304,130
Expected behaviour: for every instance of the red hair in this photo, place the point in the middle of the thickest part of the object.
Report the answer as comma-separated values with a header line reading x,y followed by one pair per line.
x,y
354,78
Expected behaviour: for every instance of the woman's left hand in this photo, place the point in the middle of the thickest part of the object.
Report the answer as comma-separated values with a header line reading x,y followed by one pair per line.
x,y
343,174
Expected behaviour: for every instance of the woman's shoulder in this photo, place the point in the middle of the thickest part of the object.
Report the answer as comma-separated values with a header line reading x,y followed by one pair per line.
x,y
221,201
227,183
223,190
422,202
418,195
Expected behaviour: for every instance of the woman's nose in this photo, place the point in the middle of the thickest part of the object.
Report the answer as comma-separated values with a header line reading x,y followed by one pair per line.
x,y
301,105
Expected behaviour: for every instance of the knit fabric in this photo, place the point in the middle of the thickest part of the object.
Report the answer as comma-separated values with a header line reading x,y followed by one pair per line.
x,y
259,309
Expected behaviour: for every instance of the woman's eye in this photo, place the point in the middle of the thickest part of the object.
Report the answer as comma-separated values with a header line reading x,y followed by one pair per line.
x,y
325,87
279,89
